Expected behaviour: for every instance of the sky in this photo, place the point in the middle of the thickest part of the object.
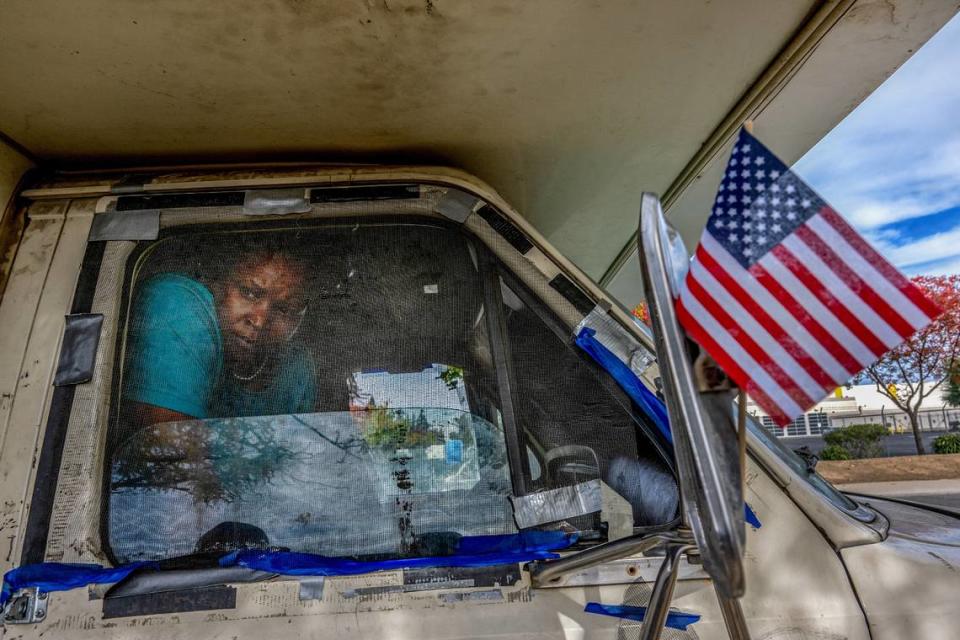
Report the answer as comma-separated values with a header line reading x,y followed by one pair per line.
x,y
892,166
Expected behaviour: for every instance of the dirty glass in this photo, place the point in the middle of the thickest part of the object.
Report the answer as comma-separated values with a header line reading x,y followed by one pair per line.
x,y
388,482
347,387
360,483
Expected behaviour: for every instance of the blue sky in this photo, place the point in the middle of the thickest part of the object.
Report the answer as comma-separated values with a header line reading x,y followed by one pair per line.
x,y
892,167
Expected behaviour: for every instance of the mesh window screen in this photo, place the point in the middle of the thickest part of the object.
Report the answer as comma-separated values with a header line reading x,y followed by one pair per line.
x,y
579,428
339,388
320,388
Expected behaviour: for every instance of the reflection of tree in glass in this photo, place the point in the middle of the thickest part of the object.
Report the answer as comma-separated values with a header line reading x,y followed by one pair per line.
x,y
451,376
211,464
385,427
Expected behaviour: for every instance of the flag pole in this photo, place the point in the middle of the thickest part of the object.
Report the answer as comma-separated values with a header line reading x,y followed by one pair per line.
x,y
742,399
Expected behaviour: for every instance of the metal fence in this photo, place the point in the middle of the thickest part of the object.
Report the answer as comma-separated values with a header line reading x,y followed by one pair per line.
x,y
816,423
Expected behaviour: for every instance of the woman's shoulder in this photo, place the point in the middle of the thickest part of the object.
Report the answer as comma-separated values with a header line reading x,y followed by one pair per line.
x,y
176,291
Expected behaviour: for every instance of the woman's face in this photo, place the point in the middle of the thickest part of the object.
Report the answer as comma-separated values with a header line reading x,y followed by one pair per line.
x,y
260,309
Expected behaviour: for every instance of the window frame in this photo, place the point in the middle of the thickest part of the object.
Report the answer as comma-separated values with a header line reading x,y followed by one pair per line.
x,y
490,266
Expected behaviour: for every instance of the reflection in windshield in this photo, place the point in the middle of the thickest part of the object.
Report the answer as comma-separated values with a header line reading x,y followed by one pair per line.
x,y
388,482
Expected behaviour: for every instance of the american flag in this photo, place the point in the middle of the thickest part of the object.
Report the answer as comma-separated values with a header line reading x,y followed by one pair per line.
x,y
787,298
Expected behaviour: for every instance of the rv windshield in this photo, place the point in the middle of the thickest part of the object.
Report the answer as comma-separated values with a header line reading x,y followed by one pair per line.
x,y
390,482
355,388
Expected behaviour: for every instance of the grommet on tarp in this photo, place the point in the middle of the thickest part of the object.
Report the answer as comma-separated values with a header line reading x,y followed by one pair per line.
x,y
675,619
557,504
275,202
125,225
457,205
81,336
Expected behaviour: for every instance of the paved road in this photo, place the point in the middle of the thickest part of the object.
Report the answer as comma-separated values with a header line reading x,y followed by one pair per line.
x,y
895,445
951,500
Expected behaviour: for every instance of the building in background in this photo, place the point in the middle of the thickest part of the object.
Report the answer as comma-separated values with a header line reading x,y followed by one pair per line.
x,y
861,404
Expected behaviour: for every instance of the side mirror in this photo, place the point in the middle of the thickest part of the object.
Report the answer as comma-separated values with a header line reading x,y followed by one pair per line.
x,y
702,424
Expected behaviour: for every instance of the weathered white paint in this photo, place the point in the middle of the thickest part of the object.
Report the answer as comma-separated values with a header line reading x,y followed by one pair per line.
x,y
796,582
570,109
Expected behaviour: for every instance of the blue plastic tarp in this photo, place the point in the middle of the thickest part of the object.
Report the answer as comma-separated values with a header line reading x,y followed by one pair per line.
x,y
675,619
57,576
648,402
470,551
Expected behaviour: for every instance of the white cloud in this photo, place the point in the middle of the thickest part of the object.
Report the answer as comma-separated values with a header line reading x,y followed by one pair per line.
x,y
897,156
932,248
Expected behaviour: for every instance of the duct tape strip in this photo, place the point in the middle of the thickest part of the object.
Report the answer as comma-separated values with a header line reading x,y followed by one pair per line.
x,y
675,619
81,336
470,551
275,202
557,504
618,340
649,403
457,205
125,225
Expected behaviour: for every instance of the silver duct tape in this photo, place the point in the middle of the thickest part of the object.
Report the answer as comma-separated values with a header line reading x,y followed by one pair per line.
x,y
557,504
457,205
125,225
277,202
615,338
81,336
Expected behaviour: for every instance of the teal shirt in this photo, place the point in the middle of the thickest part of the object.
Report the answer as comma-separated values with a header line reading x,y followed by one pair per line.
x,y
175,359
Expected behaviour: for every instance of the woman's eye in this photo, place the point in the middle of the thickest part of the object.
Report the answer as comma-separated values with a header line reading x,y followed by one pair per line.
x,y
249,293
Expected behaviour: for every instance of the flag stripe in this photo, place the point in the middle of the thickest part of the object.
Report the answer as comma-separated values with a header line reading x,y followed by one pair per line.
x,y
744,340
858,287
784,294
815,283
771,313
770,273
888,271
898,299
729,355
794,361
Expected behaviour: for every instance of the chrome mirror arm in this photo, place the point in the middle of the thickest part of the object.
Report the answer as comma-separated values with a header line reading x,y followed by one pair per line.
x,y
703,435
548,573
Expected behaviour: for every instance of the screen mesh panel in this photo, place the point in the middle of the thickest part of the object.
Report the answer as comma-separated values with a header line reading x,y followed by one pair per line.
x,y
349,388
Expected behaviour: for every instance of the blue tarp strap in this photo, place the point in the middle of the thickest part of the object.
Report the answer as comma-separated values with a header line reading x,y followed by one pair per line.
x,y
649,403
675,619
57,576
471,551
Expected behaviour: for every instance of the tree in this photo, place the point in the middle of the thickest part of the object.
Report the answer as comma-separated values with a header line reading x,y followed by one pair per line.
x,y
951,391
917,368
642,313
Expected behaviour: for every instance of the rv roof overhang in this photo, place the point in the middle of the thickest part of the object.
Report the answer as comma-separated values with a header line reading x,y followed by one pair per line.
x,y
568,109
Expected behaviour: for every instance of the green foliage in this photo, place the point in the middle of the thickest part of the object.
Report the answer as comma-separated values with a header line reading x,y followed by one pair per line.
x,y
451,376
947,443
951,391
834,452
390,428
859,440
